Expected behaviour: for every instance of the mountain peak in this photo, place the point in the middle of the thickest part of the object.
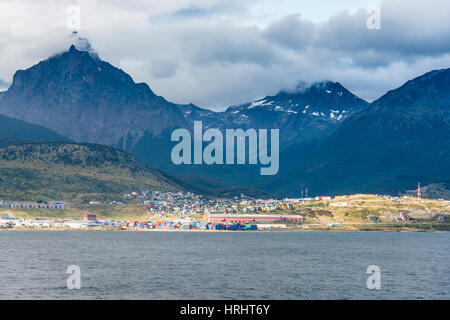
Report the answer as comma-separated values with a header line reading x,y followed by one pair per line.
x,y
80,96
319,86
317,98
81,44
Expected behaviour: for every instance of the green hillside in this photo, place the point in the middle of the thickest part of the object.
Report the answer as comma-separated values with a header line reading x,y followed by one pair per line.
x,y
67,171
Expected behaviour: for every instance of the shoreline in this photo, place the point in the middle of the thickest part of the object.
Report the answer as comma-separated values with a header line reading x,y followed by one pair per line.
x,y
223,231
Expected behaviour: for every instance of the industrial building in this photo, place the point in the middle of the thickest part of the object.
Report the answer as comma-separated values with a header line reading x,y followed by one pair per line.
x,y
250,218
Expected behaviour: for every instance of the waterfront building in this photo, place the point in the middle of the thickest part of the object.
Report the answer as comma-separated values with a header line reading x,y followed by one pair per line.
x,y
250,218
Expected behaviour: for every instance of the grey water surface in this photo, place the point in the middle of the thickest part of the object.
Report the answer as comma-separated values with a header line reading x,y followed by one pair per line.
x,y
223,265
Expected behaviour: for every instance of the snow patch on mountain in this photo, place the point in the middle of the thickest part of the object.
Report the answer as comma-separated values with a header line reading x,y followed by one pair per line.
x,y
260,103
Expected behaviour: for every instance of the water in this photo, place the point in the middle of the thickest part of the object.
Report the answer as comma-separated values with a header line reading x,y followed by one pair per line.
x,y
207,265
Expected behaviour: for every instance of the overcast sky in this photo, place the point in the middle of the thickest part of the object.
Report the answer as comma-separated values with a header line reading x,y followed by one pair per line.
x,y
216,53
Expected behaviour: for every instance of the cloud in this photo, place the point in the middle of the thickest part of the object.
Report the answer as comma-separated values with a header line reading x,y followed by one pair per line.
x,y
409,31
213,8
227,43
214,53
291,32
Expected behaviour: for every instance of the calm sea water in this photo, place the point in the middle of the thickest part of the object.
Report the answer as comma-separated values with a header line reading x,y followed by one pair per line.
x,y
252,265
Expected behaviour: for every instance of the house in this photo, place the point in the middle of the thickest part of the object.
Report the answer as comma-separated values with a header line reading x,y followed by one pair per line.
x,y
323,198
6,216
77,224
404,216
339,204
89,216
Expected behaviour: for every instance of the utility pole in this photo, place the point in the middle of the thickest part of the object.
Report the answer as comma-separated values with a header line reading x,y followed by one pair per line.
x,y
418,192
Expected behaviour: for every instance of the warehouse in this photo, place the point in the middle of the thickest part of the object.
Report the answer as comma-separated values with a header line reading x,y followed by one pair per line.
x,y
249,218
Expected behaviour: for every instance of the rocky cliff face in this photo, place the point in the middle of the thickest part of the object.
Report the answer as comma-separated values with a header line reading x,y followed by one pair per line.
x,y
88,100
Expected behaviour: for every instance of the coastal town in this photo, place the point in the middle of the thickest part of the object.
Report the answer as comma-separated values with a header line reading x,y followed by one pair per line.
x,y
187,211
182,209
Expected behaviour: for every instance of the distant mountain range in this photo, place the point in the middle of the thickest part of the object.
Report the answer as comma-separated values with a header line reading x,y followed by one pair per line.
x,y
400,139
331,141
305,117
308,113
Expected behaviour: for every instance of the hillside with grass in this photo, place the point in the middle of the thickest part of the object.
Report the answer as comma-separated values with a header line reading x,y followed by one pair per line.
x,y
365,212
77,172
14,131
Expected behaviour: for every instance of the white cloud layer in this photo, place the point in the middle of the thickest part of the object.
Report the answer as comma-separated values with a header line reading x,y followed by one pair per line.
x,y
216,53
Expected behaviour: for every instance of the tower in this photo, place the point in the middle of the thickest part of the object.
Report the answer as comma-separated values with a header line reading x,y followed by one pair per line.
x,y
418,192
206,216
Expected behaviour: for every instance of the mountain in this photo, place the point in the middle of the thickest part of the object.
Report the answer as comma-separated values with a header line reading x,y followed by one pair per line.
x,y
13,131
88,100
330,140
305,117
68,171
194,113
305,114
400,139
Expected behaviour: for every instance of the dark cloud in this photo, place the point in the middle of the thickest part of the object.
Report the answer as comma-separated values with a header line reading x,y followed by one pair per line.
x,y
162,68
228,44
408,32
220,7
208,9
216,53
193,12
291,32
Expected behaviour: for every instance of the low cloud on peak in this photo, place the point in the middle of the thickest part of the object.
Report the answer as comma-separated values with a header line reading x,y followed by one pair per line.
x,y
82,44
215,53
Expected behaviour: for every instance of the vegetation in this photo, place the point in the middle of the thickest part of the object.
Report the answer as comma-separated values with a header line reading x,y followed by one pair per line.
x,y
79,172
373,213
